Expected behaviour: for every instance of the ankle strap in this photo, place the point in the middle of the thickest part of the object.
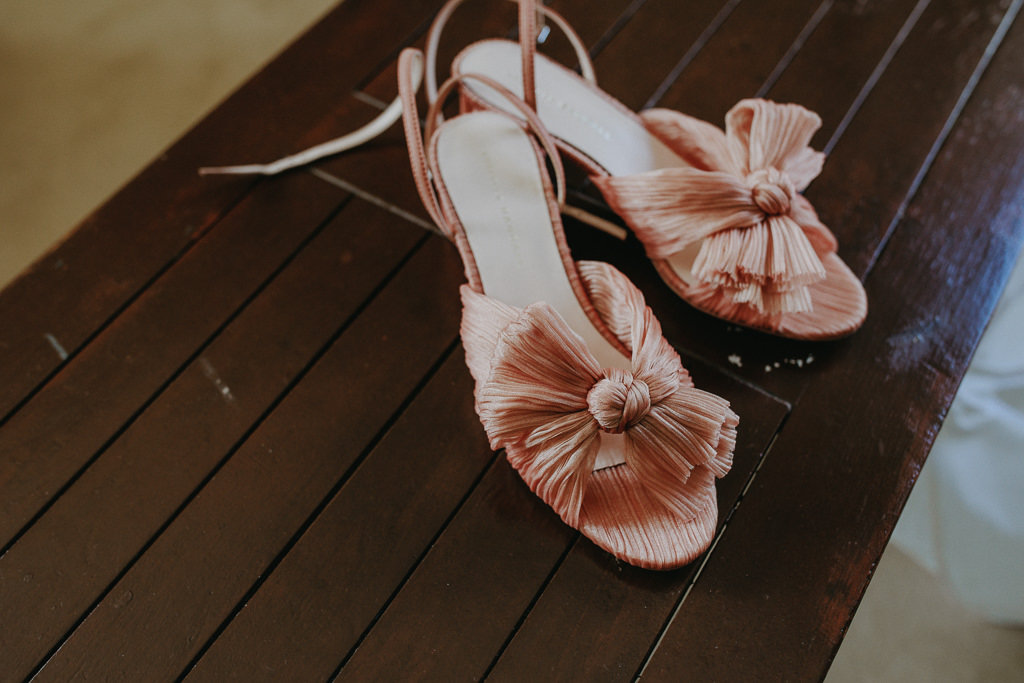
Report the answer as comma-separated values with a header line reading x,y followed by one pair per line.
x,y
528,11
410,70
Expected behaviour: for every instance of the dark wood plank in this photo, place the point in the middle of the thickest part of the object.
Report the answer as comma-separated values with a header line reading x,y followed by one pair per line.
x,y
827,503
608,614
472,21
595,23
126,243
836,64
480,578
69,557
330,587
739,57
89,401
153,621
863,194
464,598
328,590
655,42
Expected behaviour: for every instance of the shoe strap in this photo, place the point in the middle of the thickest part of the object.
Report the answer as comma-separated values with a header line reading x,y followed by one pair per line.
x,y
410,75
368,132
529,10
410,70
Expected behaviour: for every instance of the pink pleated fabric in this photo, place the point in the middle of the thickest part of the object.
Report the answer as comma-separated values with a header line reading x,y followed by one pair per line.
x,y
764,257
544,398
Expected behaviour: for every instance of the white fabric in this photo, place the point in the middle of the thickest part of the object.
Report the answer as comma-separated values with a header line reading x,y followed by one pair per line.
x,y
571,110
371,130
378,125
965,518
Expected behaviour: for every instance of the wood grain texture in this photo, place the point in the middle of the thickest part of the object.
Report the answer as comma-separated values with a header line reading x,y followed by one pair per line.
x,y
460,604
660,40
153,623
902,119
85,406
739,57
73,552
838,63
328,590
261,459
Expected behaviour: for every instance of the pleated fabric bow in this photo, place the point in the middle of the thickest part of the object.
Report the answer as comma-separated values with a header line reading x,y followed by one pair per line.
x,y
739,200
543,397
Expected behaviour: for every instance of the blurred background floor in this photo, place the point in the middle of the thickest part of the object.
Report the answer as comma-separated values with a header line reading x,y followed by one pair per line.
x,y
91,92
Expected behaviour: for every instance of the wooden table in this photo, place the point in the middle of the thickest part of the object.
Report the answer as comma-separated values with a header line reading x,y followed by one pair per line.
x,y
238,437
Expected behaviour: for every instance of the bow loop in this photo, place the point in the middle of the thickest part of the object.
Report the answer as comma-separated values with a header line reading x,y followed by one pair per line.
x,y
737,198
764,135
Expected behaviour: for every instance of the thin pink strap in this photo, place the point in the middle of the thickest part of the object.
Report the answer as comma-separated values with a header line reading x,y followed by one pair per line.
x,y
410,69
527,41
528,49
532,121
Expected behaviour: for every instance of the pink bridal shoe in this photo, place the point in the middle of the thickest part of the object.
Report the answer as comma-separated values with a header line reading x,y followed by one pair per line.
x,y
719,213
573,378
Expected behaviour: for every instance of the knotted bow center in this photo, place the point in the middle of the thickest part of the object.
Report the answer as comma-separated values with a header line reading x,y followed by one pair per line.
x,y
772,190
618,400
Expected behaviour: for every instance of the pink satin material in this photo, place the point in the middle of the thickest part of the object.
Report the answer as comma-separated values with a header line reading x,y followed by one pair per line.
x,y
739,200
543,397
839,305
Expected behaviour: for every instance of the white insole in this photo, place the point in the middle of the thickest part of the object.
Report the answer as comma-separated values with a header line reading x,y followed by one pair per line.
x,y
491,173
570,110
573,112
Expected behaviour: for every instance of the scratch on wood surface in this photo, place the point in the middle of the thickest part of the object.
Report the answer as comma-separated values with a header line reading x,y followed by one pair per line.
x,y
907,347
56,346
211,374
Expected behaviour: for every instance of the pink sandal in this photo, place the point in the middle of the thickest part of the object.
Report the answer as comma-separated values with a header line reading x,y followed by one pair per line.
x,y
573,378
719,213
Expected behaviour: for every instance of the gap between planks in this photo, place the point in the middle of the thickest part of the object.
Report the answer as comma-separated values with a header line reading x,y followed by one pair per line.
x,y
67,357
965,95
240,441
